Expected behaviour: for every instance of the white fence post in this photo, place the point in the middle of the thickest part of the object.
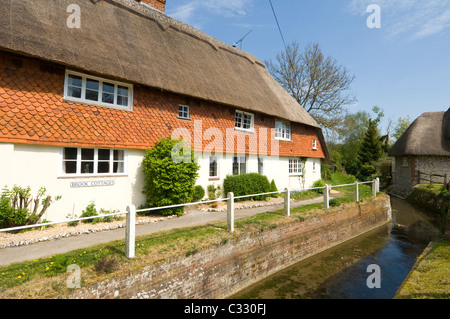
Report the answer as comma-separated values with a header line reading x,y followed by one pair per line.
x,y
130,231
230,212
326,196
378,184
287,202
374,188
356,192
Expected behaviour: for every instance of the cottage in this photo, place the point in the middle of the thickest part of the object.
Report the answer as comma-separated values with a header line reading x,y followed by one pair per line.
x,y
421,152
80,105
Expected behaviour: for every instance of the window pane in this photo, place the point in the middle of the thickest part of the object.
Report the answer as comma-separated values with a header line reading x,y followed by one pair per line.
x,y
103,155
118,155
247,121
70,153
108,93
74,80
87,154
122,90
70,167
92,84
238,120
87,167
118,167
103,167
74,92
122,100
91,95
212,166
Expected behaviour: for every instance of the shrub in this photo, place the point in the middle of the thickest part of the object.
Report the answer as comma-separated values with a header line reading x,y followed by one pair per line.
x,y
198,193
273,188
214,192
247,184
90,211
319,183
170,175
19,208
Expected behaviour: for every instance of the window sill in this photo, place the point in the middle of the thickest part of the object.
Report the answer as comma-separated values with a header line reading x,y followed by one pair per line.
x,y
184,118
93,103
214,179
84,176
283,139
244,130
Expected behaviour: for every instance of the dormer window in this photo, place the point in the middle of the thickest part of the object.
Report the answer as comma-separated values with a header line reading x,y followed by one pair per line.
x,y
244,121
93,90
282,130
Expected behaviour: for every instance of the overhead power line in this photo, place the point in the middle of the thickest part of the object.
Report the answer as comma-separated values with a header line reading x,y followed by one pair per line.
x,y
278,24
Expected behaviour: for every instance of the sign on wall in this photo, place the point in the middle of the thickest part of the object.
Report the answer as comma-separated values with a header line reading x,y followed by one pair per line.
x,y
92,184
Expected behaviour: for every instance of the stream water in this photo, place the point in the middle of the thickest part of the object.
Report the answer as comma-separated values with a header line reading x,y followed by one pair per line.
x,y
342,272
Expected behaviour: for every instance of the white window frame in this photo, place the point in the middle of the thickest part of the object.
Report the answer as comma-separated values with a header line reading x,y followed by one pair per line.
x,y
314,146
241,126
241,159
295,166
283,130
217,166
99,102
95,173
184,110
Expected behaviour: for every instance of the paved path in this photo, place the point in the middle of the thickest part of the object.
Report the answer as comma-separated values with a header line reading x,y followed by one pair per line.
x,y
192,218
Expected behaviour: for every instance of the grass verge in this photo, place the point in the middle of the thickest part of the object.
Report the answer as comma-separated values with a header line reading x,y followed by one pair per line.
x,y
430,277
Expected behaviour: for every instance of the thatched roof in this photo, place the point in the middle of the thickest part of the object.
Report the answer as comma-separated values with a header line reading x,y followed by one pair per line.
x,y
429,134
127,41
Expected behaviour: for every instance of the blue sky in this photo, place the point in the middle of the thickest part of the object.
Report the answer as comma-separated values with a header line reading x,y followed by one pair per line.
x,y
402,67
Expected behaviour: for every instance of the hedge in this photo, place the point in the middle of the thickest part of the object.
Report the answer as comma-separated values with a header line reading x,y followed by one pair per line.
x,y
247,184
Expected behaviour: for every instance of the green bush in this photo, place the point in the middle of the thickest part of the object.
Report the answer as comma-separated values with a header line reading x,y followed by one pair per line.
x,y
273,188
198,193
319,183
247,184
214,192
90,211
170,175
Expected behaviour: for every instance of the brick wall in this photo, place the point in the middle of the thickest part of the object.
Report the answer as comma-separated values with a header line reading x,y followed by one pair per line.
x,y
221,271
33,111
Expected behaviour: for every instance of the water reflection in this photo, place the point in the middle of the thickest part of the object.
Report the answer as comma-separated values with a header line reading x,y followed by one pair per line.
x,y
341,272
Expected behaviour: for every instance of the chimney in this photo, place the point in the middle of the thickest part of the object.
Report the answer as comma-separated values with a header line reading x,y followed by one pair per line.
x,y
159,5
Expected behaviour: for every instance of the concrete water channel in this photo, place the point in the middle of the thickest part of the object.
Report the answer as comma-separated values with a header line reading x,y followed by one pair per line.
x,y
342,272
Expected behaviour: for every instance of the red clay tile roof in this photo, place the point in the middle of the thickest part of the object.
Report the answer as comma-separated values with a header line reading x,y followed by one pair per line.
x,y
32,111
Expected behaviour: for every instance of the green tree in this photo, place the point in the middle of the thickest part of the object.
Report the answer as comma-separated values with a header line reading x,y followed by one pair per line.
x,y
401,126
370,152
170,175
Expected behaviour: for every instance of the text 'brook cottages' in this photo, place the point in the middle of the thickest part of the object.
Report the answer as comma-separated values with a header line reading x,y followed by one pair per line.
x,y
87,86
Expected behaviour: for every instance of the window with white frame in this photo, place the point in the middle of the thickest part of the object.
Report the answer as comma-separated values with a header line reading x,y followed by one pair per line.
x,y
239,165
282,130
213,167
314,146
83,88
244,121
183,112
295,166
91,161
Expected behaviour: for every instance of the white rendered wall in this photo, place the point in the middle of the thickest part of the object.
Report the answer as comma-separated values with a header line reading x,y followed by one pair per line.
x,y
39,166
